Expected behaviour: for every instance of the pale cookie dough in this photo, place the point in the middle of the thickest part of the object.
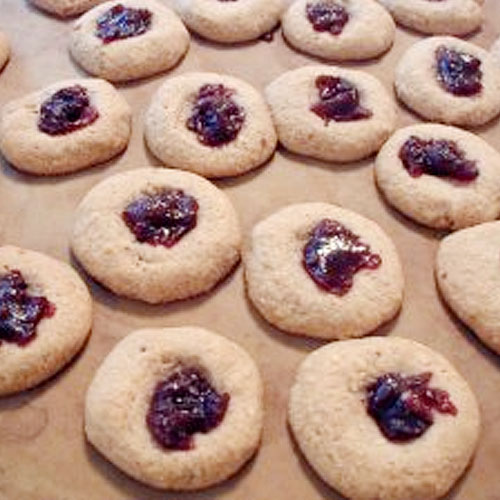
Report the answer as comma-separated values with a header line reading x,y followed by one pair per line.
x,y
4,50
119,397
418,87
444,17
441,202
66,8
368,32
343,444
467,275
29,149
495,50
58,337
111,253
285,294
302,131
170,139
230,21
156,50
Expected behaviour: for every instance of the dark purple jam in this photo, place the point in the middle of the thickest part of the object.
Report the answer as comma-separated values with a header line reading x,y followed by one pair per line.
x,y
327,16
437,157
67,110
162,218
334,254
338,100
458,72
121,22
182,405
20,312
402,406
216,118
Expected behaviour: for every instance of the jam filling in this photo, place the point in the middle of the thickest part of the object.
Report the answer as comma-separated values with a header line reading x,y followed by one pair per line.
x,y
458,72
216,118
162,218
20,312
402,406
338,100
67,110
182,405
334,254
121,22
327,16
437,157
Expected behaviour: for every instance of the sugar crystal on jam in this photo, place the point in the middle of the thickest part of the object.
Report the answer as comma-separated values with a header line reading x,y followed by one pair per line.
x,y
121,22
327,16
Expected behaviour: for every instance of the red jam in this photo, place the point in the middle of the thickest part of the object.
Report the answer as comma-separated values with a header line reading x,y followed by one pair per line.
x,y
162,218
402,406
121,22
437,157
20,312
327,16
334,254
182,405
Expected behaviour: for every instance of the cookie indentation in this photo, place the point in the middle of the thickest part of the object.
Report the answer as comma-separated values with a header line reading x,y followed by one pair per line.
x,y
183,404
334,254
403,406
327,16
215,117
67,110
458,72
20,312
339,100
162,218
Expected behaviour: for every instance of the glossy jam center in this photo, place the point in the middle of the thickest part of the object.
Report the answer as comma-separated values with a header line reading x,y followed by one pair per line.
x,y
403,406
338,100
182,405
437,157
67,110
327,16
162,218
458,72
334,254
121,22
215,117
20,312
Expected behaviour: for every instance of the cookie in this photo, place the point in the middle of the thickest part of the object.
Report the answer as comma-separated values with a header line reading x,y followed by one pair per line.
x,y
176,408
66,8
320,270
495,50
129,39
450,17
440,176
68,126
466,273
331,113
213,125
227,21
389,407
449,80
46,315
156,235
4,50
339,30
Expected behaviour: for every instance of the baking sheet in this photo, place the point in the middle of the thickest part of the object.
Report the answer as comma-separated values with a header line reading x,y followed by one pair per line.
x,y
43,453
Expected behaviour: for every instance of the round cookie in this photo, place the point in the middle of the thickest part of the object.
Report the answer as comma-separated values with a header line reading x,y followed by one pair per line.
x,y
328,414
353,30
156,235
46,317
230,21
68,126
105,47
495,50
213,125
470,101
66,8
310,283
4,50
119,401
442,17
466,273
440,176
313,106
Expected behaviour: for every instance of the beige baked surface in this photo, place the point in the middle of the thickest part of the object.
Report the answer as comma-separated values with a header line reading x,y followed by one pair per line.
x,y
43,451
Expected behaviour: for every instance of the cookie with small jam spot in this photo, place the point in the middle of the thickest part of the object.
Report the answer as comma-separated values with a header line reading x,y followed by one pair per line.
x,y
66,8
4,50
158,386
